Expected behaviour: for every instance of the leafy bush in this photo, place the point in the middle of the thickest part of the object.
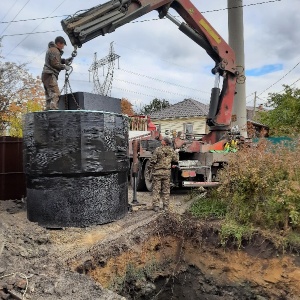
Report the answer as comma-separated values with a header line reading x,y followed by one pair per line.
x,y
261,186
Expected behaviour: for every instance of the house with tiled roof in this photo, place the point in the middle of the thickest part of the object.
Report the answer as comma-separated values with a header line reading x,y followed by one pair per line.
x,y
187,116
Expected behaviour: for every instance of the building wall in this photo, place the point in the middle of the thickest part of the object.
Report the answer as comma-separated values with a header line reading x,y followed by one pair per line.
x,y
177,124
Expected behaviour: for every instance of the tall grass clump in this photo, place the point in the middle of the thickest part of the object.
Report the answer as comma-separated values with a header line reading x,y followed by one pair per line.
x,y
260,186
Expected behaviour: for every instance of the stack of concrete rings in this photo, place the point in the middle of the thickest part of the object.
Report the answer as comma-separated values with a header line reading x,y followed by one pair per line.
x,y
76,165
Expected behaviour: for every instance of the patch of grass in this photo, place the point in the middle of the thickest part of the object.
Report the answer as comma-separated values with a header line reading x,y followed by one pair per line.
x,y
133,274
293,240
232,231
208,208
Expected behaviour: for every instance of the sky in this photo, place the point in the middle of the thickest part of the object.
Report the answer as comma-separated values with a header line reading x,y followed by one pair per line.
x,y
156,59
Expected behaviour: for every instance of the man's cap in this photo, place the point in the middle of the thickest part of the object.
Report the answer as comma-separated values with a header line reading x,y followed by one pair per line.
x,y
61,40
167,140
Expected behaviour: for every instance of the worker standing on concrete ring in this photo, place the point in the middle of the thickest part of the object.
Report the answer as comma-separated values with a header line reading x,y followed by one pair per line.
x,y
53,65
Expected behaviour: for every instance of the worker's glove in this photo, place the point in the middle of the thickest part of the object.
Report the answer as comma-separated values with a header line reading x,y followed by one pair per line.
x,y
67,68
69,60
177,150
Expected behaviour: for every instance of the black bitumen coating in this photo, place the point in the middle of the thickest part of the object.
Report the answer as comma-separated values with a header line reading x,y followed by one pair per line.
x,y
76,165
89,101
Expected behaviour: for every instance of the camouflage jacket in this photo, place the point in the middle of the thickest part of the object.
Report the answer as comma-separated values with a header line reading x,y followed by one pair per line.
x,y
160,162
53,61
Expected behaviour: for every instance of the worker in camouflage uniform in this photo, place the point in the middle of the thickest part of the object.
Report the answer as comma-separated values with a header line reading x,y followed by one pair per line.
x,y
160,166
53,65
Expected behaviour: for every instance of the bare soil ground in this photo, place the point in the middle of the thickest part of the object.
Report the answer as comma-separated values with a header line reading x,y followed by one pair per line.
x,y
82,263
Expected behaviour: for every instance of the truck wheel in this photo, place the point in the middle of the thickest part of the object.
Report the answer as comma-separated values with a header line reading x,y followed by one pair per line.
x,y
148,177
140,180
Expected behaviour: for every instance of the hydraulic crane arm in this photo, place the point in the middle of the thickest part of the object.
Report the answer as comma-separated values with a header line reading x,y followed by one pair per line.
x,y
107,17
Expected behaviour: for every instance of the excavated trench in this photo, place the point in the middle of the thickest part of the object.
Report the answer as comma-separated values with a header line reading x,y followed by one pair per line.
x,y
171,258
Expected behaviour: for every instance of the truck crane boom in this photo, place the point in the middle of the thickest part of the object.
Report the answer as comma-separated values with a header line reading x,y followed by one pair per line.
x,y
107,17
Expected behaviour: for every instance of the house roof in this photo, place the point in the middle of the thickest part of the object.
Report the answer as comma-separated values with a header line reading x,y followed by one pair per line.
x,y
183,109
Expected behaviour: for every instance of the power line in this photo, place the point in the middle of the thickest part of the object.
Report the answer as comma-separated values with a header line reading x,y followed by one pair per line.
x,y
141,21
140,75
291,85
157,79
155,89
147,87
36,27
216,10
8,12
34,19
160,80
28,33
280,78
239,6
14,17
295,81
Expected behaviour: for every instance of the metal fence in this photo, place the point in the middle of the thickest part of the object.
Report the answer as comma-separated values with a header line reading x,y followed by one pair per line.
x,y
12,177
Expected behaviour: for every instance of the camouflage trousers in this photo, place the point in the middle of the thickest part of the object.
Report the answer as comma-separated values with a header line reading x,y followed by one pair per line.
x,y
52,91
161,184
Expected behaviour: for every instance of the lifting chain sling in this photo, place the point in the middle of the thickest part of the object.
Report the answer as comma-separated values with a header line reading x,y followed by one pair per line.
x,y
67,84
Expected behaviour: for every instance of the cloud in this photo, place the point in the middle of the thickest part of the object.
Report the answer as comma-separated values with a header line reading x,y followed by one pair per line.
x,y
264,70
157,49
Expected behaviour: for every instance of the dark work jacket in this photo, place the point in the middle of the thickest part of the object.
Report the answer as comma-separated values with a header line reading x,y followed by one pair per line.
x,y
53,61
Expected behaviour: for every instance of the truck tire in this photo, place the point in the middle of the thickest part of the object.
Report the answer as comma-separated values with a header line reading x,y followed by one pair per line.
x,y
148,180
140,180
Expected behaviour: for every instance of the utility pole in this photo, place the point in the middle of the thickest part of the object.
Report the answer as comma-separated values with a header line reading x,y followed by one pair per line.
x,y
254,106
236,42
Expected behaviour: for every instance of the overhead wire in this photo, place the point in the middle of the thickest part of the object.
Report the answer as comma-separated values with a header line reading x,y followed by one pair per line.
x,y
291,85
295,82
36,27
28,33
160,80
147,87
216,10
280,79
8,13
151,78
129,91
155,89
15,17
33,19
154,19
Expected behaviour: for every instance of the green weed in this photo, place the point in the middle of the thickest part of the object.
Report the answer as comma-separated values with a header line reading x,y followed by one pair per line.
x,y
232,231
208,208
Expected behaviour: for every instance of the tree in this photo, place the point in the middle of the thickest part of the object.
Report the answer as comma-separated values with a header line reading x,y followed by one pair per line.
x,y
284,118
20,92
155,105
126,107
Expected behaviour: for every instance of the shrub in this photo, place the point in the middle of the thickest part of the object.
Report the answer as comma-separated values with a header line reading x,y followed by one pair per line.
x,y
260,186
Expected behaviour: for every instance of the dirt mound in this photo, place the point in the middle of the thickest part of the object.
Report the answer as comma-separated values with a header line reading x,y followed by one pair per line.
x,y
30,264
141,256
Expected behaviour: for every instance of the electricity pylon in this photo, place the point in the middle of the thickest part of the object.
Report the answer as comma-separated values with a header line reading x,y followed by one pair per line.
x,y
105,88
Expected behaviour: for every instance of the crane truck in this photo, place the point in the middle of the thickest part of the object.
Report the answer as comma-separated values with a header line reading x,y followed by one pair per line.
x,y
199,160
